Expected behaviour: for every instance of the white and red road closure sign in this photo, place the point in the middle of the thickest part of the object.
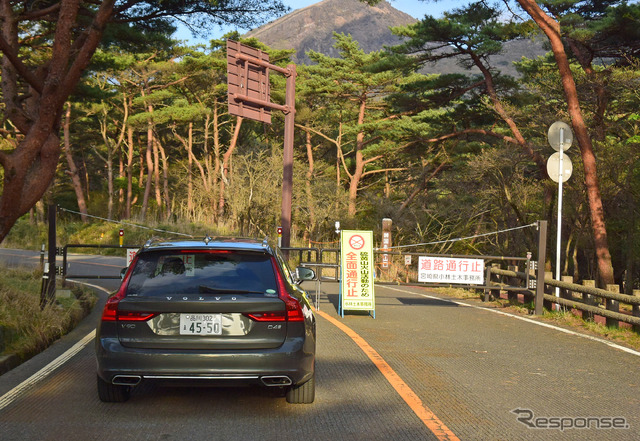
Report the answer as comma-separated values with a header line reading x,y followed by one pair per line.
x,y
433,269
357,269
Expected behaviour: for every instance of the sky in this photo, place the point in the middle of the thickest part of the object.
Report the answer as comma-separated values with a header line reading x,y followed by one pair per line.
x,y
416,8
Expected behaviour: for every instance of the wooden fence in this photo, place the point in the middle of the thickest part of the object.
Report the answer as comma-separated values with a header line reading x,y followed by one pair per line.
x,y
585,298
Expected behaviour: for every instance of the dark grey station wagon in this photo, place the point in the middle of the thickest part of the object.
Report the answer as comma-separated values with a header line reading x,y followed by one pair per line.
x,y
213,311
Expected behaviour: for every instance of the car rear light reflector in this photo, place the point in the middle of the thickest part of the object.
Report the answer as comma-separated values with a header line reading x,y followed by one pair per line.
x,y
267,316
135,316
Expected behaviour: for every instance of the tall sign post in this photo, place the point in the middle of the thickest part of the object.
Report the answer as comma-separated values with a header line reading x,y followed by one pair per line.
x,y
357,269
559,168
249,97
386,241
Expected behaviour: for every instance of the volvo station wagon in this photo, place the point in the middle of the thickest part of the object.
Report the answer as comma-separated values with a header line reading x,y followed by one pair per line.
x,y
218,311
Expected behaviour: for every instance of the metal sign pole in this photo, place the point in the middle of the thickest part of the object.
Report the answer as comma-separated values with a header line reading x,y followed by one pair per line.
x,y
559,227
560,138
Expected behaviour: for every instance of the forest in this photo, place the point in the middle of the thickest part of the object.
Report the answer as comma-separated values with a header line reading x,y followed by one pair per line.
x,y
145,134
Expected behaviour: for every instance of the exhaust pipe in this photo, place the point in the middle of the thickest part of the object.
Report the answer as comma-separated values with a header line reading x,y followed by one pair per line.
x,y
126,380
276,380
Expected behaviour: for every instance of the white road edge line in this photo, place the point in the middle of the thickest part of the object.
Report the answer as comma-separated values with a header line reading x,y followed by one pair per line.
x,y
14,393
535,322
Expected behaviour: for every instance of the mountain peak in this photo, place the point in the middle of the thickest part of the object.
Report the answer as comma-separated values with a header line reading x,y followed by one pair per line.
x,y
312,27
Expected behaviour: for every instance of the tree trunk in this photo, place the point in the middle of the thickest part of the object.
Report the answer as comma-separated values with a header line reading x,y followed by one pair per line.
x,y
310,202
156,175
108,161
110,182
226,158
165,180
73,170
552,30
424,180
127,210
149,156
31,167
216,157
189,146
359,169
207,154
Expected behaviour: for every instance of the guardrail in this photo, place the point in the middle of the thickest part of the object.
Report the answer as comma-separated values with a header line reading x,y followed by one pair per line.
x,y
319,267
588,301
65,275
534,288
321,261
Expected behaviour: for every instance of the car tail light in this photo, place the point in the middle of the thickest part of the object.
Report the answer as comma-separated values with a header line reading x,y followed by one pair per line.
x,y
293,308
110,313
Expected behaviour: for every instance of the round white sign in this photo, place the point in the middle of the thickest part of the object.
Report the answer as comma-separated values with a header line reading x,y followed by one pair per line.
x,y
560,132
553,167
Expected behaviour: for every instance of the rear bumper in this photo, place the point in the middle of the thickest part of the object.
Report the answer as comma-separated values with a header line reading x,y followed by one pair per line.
x,y
290,360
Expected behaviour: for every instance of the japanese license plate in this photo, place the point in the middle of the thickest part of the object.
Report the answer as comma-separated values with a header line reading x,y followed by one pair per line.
x,y
200,324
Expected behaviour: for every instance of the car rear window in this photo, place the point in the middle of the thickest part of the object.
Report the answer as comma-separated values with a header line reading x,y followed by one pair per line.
x,y
202,272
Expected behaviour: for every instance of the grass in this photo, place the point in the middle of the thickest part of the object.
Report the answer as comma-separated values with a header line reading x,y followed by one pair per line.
x,y
30,236
26,328
623,335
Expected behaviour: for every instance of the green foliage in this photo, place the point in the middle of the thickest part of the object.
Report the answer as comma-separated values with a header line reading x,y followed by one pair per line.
x,y
27,235
436,154
26,328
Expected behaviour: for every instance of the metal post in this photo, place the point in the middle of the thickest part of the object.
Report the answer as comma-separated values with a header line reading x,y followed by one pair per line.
x,y
42,258
559,227
287,172
542,256
613,305
51,282
487,289
636,310
588,299
527,271
64,265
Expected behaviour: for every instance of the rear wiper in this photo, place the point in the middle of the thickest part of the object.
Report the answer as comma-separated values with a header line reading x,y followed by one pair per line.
x,y
211,290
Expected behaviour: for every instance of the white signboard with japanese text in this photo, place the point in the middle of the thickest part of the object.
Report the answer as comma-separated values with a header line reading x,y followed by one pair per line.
x,y
437,269
357,269
131,253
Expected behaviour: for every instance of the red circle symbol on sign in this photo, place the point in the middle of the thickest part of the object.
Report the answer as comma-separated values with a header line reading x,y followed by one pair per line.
x,y
121,232
356,242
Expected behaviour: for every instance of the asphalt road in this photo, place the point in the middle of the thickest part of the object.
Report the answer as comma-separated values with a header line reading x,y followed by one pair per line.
x,y
480,374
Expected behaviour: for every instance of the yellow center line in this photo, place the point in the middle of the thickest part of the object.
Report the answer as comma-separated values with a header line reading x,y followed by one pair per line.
x,y
433,423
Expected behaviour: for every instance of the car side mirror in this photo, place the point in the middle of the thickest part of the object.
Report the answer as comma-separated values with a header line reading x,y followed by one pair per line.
x,y
303,273
123,271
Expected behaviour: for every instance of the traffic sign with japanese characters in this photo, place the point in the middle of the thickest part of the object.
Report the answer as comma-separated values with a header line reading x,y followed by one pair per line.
x,y
438,269
357,269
